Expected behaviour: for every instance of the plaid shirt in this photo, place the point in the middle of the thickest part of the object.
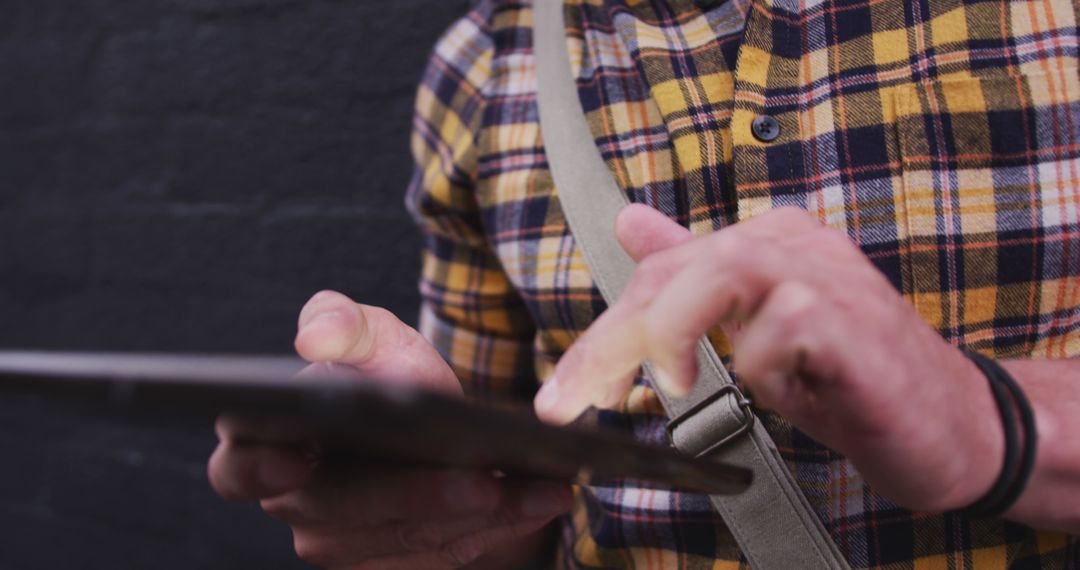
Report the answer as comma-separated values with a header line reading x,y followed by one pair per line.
x,y
943,136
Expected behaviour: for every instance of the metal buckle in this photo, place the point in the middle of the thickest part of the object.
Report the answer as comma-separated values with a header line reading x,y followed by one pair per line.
x,y
744,405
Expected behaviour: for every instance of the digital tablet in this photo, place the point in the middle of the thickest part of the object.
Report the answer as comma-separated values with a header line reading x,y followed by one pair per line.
x,y
361,420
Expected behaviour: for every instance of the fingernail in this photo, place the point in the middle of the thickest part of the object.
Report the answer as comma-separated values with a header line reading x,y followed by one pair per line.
x,y
322,317
548,396
545,501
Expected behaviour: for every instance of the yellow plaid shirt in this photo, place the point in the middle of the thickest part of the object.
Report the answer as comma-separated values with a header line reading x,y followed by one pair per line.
x,y
943,136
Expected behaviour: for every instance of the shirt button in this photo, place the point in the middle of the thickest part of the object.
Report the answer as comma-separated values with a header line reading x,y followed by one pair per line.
x,y
705,5
765,128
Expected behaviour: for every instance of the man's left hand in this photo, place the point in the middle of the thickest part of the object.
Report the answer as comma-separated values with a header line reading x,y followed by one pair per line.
x,y
823,339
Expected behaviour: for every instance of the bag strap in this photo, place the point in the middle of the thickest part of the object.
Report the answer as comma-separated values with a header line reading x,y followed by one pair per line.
x,y
772,521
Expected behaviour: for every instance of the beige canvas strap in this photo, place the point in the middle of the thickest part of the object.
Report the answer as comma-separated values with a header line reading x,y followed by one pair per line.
x,y
772,522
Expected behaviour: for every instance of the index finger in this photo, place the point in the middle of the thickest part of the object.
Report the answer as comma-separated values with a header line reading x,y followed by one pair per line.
x,y
630,330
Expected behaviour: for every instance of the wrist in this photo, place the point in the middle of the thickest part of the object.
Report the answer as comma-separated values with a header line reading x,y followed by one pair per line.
x,y
1021,441
978,442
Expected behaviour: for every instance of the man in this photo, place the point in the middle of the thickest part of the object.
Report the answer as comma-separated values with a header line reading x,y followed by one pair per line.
x,y
851,191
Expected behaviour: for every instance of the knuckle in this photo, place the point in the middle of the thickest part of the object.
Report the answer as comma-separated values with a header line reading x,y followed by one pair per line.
x,y
478,492
463,551
502,517
730,248
223,489
390,330
309,549
419,537
650,266
223,428
648,278
797,306
516,531
221,481
677,342
376,329
382,313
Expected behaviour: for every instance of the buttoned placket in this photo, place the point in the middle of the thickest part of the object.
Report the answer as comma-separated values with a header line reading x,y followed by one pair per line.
x,y
764,131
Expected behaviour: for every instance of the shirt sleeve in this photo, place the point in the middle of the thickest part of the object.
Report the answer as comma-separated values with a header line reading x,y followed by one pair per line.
x,y
470,310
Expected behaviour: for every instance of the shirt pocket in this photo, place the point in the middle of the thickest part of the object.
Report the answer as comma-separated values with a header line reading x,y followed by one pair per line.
x,y
991,184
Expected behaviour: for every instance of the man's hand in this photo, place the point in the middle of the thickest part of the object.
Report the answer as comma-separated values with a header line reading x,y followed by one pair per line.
x,y
374,518
823,339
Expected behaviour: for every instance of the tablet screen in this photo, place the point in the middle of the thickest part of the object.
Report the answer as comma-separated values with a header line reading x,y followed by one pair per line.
x,y
357,420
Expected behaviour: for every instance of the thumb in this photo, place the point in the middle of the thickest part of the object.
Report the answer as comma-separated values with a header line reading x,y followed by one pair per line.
x,y
334,329
643,231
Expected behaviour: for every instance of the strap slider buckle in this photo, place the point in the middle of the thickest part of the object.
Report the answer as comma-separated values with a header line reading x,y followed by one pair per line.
x,y
746,421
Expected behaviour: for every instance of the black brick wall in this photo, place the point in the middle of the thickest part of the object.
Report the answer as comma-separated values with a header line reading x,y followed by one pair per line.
x,y
180,175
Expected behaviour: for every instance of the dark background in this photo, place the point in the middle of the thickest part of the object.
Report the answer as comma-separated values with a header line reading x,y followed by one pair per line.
x,y
181,175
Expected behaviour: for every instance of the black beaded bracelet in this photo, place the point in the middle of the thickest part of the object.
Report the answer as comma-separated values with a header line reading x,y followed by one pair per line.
x,y
1015,472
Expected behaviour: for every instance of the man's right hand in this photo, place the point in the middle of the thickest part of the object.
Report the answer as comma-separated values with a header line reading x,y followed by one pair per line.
x,y
374,518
